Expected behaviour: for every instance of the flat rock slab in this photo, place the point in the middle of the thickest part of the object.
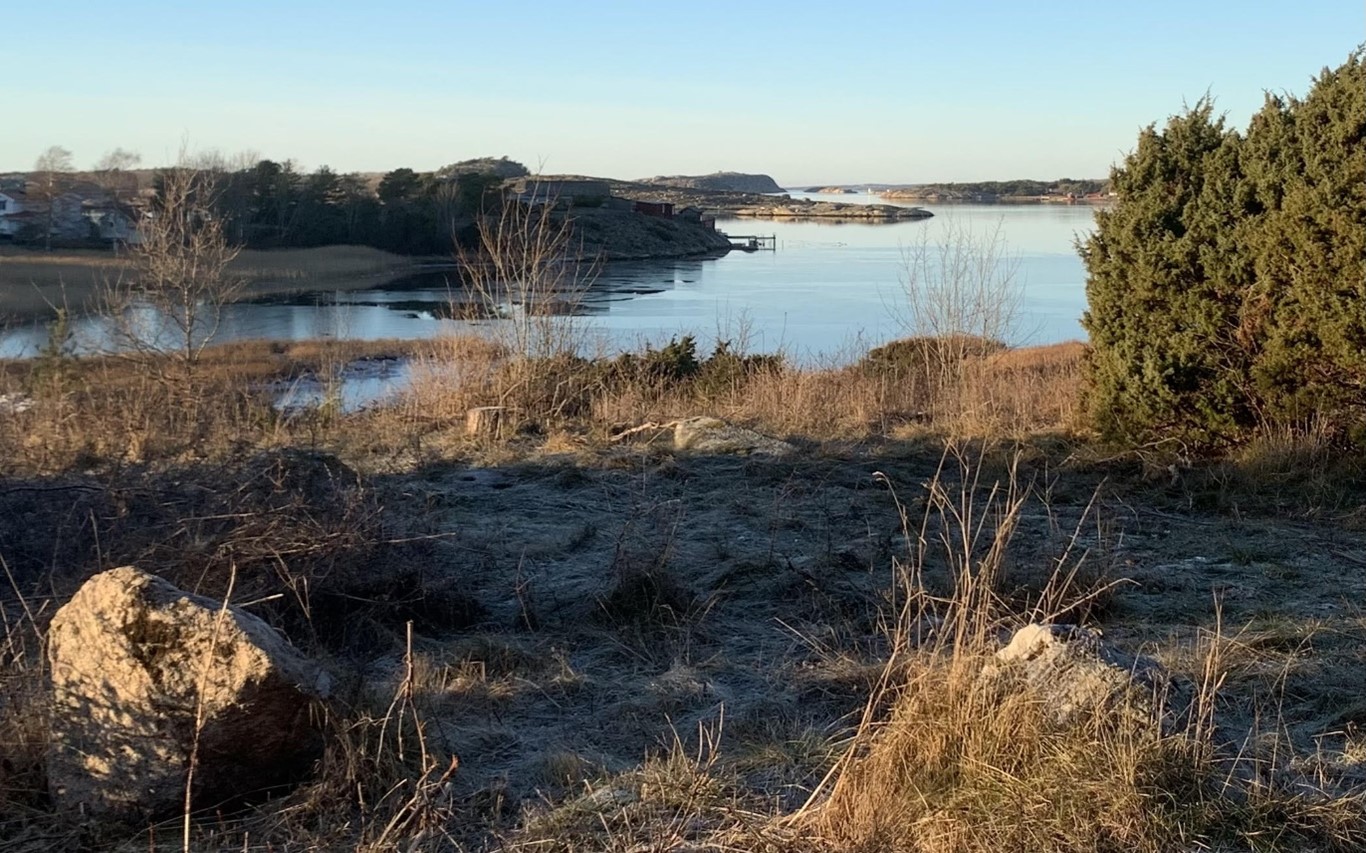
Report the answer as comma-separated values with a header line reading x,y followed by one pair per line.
x,y
144,675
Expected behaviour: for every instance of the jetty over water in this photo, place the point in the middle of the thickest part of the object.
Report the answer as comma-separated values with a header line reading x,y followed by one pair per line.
x,y
753,242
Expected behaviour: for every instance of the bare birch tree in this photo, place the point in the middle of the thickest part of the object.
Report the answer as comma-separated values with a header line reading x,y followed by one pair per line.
x,y
111,171
528,273
961,296
50,171
180,264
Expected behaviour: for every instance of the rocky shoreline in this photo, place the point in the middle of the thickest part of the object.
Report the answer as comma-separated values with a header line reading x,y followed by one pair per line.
x,y
988,198
611,235
807,209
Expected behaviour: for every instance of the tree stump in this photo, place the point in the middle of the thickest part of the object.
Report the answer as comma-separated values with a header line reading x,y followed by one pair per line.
x,y
485,421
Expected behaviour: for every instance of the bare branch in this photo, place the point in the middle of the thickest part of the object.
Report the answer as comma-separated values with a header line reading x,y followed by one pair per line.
x,y
181,263
527,273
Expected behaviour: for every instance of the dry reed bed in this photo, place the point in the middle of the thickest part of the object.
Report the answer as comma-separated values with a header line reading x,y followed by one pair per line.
x,y
1011,394
32,283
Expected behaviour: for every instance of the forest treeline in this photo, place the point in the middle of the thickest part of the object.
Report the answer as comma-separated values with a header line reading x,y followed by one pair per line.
x,y
263,204
271,205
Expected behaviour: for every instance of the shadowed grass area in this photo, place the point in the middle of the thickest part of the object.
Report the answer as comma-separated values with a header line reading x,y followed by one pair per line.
x,y
959,752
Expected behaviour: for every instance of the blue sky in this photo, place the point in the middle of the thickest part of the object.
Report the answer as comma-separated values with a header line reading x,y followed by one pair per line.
x,y
917,90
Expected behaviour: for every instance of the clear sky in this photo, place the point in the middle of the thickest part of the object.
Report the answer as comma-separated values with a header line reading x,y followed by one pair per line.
x,y
830,91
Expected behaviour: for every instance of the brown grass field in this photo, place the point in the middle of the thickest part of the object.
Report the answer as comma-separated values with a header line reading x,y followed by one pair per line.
x,y
629,648
33,283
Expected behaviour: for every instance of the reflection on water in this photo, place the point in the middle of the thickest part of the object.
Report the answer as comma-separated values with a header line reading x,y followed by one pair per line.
x,y
357,386
827,288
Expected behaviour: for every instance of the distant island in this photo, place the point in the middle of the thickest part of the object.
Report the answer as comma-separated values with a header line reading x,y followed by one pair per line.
x,y
735,182
1022,191
684,191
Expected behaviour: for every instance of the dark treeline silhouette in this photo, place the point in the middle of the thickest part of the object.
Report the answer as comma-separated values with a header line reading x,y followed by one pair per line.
x,y
271,205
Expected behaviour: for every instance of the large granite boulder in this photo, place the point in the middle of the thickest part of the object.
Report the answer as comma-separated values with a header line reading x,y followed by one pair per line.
x,y
715,436
144,675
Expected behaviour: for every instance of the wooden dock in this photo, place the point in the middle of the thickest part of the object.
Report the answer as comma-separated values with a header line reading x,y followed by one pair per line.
x,y
753,242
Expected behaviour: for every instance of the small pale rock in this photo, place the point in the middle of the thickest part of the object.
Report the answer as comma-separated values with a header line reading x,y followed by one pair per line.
x,y
1076,673
1035,641
713,435
135,661
15,403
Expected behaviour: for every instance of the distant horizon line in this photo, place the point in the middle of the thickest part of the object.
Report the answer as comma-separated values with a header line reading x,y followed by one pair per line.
x,y
788,185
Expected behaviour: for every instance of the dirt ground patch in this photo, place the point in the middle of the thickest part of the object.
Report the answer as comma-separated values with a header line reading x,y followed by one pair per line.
x,y
662,643
638,600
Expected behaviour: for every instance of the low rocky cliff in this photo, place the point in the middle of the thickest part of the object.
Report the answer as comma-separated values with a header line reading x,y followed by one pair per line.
x,y
621,235
736,182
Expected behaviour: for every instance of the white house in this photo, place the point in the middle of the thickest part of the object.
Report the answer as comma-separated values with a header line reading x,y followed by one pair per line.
x,y
113,223
77,215
11,204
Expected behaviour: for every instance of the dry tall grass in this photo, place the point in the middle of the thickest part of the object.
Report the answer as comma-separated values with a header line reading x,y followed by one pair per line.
x,y
947,759
1011,393
106,413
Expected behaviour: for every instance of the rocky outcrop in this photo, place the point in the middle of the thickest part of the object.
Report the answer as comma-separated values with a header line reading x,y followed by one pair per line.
x,y
769,207
145,675
715,436
623,235
500,166
1076,674
735,182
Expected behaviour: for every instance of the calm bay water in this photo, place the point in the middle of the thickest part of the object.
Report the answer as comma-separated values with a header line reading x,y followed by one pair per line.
x,y
829,289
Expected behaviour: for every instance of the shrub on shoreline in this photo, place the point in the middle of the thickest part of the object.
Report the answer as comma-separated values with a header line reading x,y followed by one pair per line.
x,y
1227,287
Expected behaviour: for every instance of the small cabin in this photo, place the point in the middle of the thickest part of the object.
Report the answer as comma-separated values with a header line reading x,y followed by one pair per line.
x,y
559,193
661,209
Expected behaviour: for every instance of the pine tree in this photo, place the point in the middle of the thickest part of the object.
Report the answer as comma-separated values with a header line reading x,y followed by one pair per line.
x,y
1227,288
1162,287
1307,163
